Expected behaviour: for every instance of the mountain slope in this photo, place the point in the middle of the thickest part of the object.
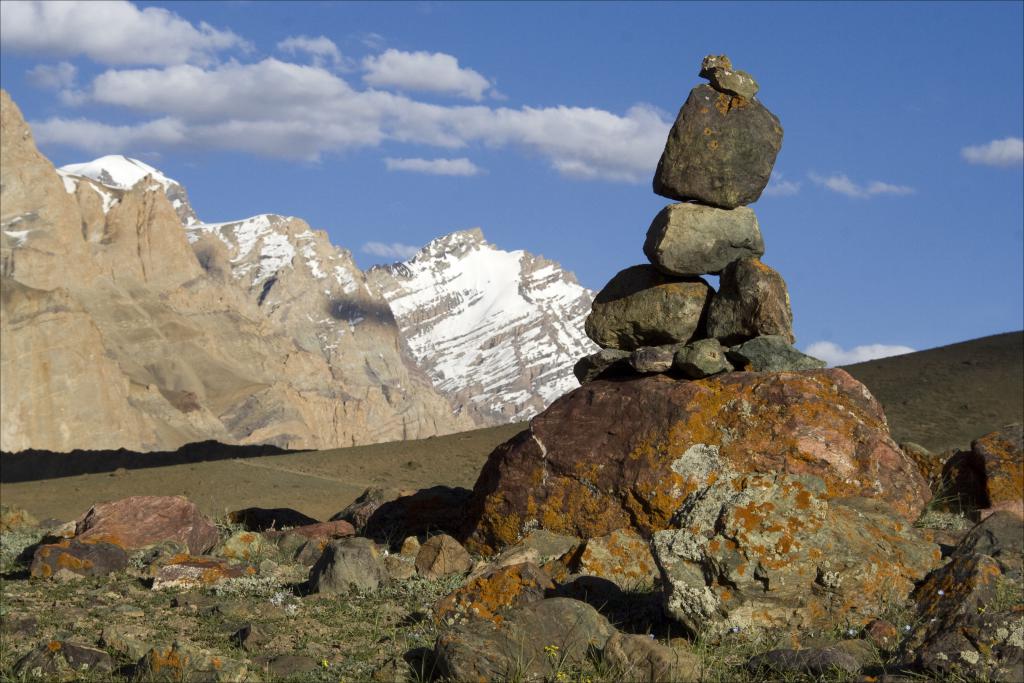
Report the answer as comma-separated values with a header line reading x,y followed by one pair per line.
x,y
497,331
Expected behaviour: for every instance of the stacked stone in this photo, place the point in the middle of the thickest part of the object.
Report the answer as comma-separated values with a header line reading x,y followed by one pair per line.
x,y
663,316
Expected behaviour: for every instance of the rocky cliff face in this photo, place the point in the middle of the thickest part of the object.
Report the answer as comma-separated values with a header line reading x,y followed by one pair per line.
x,y
496,331
121,329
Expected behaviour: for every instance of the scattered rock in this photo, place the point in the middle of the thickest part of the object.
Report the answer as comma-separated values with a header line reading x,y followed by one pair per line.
x,y
752,301
347,563
642,307
289,666
400,567
16,519
250,637
438,509
197,571
359,511
990,476
13,624
180,662
497,590
718,69
648,359
929,464
692,239
611,361
720,150
75,557
641,658
1001,537
814,662
62,660
143,521
700,359
246,545
623,557
126,640
440,556
882,634
261,519
305,544
194,603
630,453
533,641
771,353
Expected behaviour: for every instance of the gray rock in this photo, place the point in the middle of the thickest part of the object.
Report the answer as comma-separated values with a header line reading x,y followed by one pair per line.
x,y
1001,537
596,364
287,666
77,558
720,150
130,641
347,563
641,306
531,642
724,78
250,637
63,660
649,359
814,662
770,353
693,239
643,659
752,300
440,556
701,358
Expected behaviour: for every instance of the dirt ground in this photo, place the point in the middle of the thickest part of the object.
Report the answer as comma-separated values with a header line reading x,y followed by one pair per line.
x,y
940,398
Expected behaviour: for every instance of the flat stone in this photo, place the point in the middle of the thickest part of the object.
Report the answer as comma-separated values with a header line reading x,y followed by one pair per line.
x,y
188,571
814,662
641,306
701,358
641,658
610,361
720,150
770,353
724,78
76,557
63,660
648,359
693,239
752,301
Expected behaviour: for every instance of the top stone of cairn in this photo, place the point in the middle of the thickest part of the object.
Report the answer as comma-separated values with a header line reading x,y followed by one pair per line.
x,y
723,145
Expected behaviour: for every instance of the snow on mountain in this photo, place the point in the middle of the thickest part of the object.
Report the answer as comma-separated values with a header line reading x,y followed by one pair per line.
x,y
497,331
119,173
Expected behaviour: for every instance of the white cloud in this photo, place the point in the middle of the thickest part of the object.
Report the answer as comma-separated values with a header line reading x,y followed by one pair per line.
x,y
374,41
110,32
322,49
53,76
315,111
395,250
842,184
778,186
424,71
834,355
461,166
98,137
1005,152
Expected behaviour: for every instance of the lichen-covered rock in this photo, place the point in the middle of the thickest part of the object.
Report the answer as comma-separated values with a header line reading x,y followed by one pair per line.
x,y
643,659
929,464
62,660
440,556
612,361
990,476
187,572
532,642
648,359
752,300
724,78
348,563
771,353
641,306
74,557
249,546
720,150
623,557
179,662
692,239
700,359
769,551
140,522
628,453
497,590
1001,537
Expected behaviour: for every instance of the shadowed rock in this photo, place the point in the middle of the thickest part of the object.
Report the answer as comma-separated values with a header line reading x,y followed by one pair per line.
x,y
752,301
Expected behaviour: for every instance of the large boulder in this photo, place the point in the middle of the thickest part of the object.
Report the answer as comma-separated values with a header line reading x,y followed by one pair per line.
x,y
641,306
618,454
141,522
990,476
752,300
693,239
720,150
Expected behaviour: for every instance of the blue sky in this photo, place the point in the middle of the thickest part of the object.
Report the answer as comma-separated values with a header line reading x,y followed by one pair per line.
x,y
896,215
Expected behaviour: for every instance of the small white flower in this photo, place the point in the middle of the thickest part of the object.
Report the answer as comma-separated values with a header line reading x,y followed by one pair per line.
x,y
734,629
942,592
851,632
906,627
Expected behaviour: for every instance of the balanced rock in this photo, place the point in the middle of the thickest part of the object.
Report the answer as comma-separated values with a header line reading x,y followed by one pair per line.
x,y
648,359
596,364
701,358
769,550
752,300
693,239
642,307
720,150
610,455
771,353
718,69
140,522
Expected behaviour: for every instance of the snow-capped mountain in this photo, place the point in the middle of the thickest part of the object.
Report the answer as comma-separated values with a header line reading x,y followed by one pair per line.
x,y
498,331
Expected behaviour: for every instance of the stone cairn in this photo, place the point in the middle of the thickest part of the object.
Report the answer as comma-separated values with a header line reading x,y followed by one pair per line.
x,y
663,317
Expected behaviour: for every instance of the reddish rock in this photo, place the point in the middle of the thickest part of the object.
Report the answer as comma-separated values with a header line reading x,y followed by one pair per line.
x,y
882,634
359,511
187,571
990,476
82,558
610,454
305,544
441,556
486,596
143,521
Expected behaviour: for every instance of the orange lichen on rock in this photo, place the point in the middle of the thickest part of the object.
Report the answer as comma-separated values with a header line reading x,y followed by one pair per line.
x,y
487,595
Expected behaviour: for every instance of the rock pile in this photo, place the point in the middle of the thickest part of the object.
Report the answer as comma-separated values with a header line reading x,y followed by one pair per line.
x,y
663,317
